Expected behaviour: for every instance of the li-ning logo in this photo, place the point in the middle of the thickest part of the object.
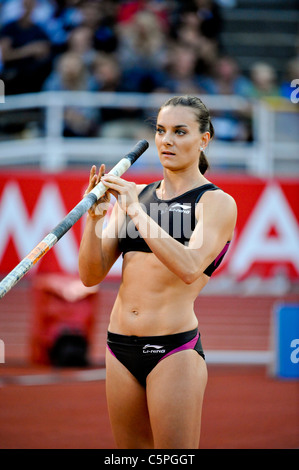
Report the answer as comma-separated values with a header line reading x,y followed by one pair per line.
x,y
153,348
184,208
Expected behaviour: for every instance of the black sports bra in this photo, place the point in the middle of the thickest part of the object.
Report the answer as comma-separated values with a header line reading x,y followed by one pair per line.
x,y
176,216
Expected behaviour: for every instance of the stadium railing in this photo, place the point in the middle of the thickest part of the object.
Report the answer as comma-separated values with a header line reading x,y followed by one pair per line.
x,y
272,148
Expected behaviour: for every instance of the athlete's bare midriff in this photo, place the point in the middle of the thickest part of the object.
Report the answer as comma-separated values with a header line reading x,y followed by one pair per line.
x,y
152,300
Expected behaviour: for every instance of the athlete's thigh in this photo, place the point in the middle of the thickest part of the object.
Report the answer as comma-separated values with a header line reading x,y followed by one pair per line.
x,y
175,391
127,407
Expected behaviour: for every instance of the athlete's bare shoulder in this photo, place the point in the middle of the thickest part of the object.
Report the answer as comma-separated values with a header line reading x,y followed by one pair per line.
x,y
222,198
219,198
220,205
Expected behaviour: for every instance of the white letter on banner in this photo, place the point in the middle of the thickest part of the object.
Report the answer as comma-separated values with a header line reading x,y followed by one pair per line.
x,y
26,232
272,210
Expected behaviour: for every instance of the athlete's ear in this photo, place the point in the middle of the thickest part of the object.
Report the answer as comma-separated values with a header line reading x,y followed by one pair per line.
x,y
204,141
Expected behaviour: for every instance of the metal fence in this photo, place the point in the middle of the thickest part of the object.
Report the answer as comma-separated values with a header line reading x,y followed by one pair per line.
x,y
271,148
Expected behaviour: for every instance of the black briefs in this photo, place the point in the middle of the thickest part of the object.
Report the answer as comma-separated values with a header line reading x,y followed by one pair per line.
x,y
140,354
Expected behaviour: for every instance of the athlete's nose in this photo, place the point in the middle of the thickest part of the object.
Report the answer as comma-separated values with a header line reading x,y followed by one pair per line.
x,y
167,139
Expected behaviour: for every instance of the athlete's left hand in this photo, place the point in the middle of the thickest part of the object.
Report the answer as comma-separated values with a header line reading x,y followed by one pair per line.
x,y
124,191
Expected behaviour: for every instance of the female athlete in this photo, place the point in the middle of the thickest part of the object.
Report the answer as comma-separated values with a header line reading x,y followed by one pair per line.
x,y
172,234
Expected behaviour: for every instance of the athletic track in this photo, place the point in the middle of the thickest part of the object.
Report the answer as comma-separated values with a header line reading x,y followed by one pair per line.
x,y
42,407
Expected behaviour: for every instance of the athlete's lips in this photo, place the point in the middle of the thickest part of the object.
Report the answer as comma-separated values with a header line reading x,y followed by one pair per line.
x,y
167,152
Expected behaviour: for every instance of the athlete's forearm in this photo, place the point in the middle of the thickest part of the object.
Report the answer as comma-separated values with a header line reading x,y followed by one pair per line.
x,y
186,263
92,269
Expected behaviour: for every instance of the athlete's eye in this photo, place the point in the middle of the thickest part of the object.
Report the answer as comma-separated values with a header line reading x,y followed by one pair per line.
x,y
180,132
159,130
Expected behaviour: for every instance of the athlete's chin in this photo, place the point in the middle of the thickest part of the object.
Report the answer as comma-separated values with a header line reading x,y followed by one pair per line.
x,y
171,166
169,163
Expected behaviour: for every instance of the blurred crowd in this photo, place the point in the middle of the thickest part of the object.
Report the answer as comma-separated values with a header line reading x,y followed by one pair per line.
x,y
148,46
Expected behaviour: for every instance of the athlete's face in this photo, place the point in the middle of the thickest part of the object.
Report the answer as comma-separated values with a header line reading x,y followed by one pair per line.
x,y
178,138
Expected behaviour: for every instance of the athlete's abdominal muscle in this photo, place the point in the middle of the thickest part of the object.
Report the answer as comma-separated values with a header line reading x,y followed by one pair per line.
x,y
152,279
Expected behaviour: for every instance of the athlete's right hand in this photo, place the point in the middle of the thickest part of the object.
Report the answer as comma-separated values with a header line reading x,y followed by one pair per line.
x,y
99,208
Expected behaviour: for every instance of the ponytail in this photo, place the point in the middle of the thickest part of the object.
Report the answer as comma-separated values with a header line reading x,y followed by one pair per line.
x,y
203,163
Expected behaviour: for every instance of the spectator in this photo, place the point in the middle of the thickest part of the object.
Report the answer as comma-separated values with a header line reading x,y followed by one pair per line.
x,y
65,16
264,80
142,52
161,10
71,74
107,73
210,18
100,18
188,33
26,53
203,14
116,122
181,75
80,41
208,55
227,79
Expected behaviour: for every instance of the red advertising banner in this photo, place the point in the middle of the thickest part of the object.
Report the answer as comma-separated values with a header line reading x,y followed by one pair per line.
x,y
266,240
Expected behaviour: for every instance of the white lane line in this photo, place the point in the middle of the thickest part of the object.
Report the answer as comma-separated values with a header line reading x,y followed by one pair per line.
x,y
54,378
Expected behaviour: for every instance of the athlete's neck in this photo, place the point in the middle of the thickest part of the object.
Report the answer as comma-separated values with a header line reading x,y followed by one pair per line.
x,y
176,183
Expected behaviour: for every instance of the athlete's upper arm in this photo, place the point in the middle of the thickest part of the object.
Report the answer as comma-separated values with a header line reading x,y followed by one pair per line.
x,y
217,214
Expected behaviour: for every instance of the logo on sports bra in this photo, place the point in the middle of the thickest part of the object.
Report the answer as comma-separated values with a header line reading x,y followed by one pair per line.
x,y
154,349
183,208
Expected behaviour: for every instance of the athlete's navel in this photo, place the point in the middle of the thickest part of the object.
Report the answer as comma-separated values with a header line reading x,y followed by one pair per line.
x,y
135,312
